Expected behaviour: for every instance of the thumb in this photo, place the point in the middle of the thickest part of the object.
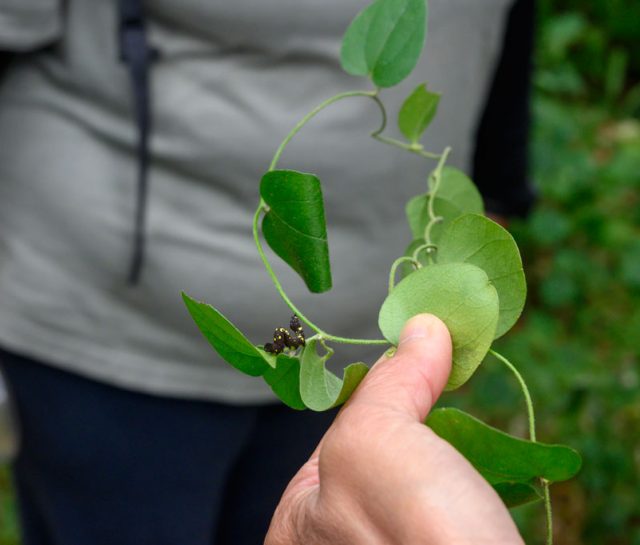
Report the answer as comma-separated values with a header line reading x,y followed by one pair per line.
x,y
412,380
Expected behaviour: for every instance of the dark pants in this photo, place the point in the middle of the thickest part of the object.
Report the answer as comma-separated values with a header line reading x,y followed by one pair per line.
x,y
104,466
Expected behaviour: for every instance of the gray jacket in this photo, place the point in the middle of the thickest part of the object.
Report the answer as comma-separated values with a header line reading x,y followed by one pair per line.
x,y
231,80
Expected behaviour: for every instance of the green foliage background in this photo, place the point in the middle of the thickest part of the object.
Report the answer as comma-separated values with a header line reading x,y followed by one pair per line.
x,y
578,344
8,524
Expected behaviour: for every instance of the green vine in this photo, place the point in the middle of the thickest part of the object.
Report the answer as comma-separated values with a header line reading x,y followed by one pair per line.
x,y
468,272
433,219
532,435
312,114
396,264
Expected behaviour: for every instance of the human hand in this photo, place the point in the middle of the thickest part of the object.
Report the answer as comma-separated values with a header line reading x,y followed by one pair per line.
x,y
380,476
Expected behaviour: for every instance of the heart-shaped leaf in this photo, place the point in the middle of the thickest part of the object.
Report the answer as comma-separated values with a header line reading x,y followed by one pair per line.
x,y
478,240
417,112
294,227
460,295
385,40
285,381
499,457
320,388
227,340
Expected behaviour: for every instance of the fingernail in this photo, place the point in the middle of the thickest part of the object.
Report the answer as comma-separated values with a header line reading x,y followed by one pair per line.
x,y
418,327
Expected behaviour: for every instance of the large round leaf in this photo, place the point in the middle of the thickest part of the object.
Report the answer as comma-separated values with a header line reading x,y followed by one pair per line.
x,y
227,339
460,295
478,240
385,40
294,227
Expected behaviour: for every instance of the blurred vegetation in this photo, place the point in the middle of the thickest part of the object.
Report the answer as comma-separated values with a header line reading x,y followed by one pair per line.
x,y
8,524
578,344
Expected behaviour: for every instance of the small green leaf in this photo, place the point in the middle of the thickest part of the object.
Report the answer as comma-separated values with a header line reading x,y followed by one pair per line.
x,y
417,112
457,187
320,388
385,40
227,340
285,381
499,457
294,227
478,240
460,295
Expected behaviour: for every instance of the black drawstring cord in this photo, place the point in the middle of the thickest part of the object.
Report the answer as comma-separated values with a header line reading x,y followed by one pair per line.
x,y
136,53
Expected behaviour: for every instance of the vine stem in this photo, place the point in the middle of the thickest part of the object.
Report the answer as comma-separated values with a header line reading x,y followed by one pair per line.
x,y
433,219
437,176
322,334
547,508
394,268
313,113
532,436
525,392
419,249
415,147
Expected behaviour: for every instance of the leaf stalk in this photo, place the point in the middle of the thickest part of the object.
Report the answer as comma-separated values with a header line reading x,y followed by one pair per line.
x,y
413,147
433,219
394,268
311,115
532,437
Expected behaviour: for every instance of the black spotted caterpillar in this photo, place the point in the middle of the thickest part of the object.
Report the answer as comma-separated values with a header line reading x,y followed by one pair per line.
x,y
283,339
